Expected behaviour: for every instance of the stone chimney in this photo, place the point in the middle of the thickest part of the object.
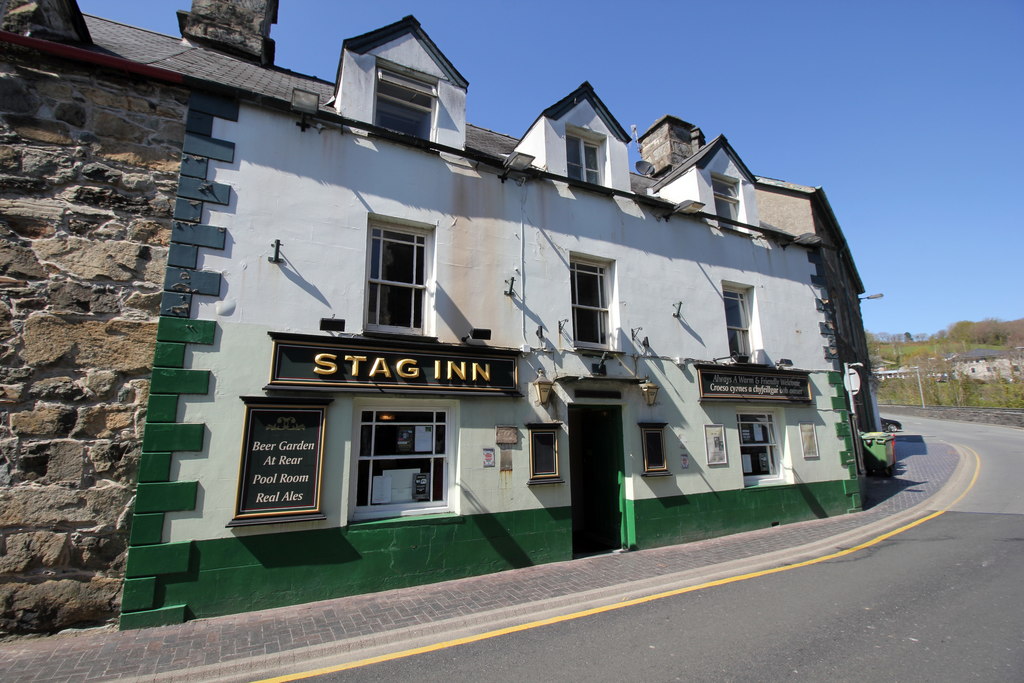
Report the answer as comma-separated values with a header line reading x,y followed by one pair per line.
x,y
669,142
238,27
56,20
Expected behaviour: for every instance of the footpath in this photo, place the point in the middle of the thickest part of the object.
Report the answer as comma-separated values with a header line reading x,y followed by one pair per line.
x,y
255,645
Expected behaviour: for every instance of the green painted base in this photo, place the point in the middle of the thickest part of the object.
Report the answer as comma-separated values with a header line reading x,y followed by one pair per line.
x,y
682,519
247,573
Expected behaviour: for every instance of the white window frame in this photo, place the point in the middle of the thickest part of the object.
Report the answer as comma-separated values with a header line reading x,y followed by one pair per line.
x,y
727,196
773,444
395,79
583,143
602,310
371,510
742,295
423,246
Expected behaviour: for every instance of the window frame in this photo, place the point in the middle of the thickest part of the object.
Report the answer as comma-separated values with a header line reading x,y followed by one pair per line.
x,y
552,429
582,143
371,510
602,311
773,445
742,331
809,437
422,243
728,200
399,79
650,429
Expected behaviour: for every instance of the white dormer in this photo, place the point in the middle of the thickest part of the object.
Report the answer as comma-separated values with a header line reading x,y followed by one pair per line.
x,y
397,78
717,178
577,137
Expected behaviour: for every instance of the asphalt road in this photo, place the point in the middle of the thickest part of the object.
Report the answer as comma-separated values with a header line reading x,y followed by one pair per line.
x,y
943,601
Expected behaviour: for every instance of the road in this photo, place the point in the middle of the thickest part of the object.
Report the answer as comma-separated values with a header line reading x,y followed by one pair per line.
x,y
942,601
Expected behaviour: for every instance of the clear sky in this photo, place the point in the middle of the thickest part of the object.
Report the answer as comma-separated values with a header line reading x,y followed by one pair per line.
x,y
910,114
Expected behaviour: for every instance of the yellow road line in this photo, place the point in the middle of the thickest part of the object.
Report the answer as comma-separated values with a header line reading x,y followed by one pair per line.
x,y
625,603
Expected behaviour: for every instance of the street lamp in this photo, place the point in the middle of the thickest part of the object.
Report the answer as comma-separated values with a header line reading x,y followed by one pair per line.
x,y
870,296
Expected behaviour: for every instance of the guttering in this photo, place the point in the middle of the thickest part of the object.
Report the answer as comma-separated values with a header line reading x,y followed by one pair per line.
x,y
98,58
135,68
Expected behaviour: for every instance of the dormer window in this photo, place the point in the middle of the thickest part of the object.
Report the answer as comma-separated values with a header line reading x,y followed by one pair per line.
x,y
727,196
405,105
582,159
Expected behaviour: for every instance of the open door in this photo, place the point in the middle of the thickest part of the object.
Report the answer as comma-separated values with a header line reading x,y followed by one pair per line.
x,y
596,466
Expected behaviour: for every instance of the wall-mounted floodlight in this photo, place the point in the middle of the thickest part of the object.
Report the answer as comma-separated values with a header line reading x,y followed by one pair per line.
x,y
332,324
305,103
516,162
688,206
480,333
871,296
783,363
808,239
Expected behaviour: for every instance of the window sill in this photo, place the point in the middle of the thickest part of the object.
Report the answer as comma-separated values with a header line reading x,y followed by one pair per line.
x,y
764,482
411,520
549,480
399,336
656,473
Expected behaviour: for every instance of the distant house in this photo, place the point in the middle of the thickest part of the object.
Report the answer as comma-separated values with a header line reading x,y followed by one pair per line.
x,y
987,364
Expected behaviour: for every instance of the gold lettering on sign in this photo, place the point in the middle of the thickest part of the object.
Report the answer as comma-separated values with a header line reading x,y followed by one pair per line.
x,y
437,369
380,367
325,364
458,369
411,373
355,360
482,372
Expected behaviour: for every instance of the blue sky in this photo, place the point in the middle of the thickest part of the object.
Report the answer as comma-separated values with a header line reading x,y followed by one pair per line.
x,y
909,114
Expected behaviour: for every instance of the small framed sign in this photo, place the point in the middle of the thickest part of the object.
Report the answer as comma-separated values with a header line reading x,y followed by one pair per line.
x,y
714,439
282,462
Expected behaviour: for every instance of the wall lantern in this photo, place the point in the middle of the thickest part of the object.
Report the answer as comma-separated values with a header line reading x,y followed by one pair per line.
x,y
542,388
649,390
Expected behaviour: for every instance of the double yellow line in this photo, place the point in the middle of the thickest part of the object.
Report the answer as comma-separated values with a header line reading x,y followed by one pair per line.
x,y
625,603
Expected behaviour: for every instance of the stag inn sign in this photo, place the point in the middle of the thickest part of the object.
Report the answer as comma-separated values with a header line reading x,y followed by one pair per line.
x,y
358,363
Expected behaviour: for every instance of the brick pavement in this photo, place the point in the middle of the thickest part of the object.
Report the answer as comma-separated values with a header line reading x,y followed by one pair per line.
x,y
104,654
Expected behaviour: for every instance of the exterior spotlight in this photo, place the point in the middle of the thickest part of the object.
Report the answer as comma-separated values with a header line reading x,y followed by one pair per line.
x,y
516,162
649,390
688,206
481,333
305,103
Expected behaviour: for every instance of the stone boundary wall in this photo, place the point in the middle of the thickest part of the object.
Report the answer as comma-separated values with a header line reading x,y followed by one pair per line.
x,y
1009,417
89,164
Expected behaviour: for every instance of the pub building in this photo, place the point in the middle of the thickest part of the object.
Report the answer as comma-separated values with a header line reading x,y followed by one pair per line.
x,y
408,349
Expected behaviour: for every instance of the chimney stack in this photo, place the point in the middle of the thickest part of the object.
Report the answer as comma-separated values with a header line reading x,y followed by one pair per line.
x,y
669,142
238,27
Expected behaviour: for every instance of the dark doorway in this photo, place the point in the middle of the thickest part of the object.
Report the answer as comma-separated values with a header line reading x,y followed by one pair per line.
x,y
596,471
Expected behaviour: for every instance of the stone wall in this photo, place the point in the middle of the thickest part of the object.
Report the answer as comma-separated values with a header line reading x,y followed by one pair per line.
x,y
1009,417
88,171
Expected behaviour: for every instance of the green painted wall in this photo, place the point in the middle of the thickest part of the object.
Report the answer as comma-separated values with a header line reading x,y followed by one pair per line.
x,y
682,519
272,570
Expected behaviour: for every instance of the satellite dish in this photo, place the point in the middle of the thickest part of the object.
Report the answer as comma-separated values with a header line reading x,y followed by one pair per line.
x,y
644,168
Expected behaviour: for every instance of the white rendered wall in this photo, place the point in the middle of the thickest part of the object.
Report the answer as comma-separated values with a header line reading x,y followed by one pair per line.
x,y
316,191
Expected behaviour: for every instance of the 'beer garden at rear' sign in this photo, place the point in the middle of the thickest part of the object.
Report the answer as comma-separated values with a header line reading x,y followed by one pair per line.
x,y
282,459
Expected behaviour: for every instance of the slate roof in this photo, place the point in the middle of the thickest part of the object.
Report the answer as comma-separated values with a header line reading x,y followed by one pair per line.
x,y
177,55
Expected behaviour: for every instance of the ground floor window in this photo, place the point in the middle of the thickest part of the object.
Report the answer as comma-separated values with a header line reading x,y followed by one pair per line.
x,y
758,448
403,460
544,452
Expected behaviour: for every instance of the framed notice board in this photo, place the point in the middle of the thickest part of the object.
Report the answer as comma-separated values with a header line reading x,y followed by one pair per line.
x,y
281,467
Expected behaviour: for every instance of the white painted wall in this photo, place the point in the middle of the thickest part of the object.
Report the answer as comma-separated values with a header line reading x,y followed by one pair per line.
x,y
314,191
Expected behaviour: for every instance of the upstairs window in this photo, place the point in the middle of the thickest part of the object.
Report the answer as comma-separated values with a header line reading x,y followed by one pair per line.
x,y
582,157
397,282
737,321
404,104
589,303
727,196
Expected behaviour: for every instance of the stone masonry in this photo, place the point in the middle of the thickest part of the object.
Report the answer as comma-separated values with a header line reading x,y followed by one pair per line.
x,y
88,171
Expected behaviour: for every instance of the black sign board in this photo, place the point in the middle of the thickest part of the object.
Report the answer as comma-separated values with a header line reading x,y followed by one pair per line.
x,y
753,385
282,459
363,364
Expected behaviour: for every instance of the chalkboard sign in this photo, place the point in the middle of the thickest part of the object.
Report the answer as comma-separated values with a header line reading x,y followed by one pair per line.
x,y
282,457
